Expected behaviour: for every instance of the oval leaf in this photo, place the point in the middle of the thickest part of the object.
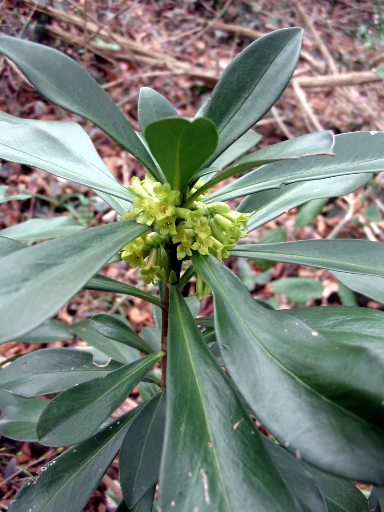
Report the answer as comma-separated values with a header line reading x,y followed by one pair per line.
x,y
76,413
153,106
36,282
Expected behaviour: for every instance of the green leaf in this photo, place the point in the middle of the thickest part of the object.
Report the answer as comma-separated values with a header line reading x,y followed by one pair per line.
x,y
153,106
309,211
355,153
72,477
319,143
60,148
12,197
380,70
371,286
354,256
181,147
106,284
64,82
20,416
48,331
76,413
213,455
117,330
298,289
269,204
36,282
277,362
296,476
51,370
140,453
8,246
252,83
340,495
42,229
376,500
113,349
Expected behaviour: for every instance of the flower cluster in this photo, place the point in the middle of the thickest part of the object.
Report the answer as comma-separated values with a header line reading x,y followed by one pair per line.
x,y
205,228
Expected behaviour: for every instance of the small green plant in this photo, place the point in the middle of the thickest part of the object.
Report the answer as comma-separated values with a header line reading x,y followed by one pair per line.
x,y
313,377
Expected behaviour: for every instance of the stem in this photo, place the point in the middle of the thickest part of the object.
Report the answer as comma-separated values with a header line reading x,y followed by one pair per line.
x,y
164,332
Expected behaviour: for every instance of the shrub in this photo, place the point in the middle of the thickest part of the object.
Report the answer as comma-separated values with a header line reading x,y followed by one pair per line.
x,y
313,377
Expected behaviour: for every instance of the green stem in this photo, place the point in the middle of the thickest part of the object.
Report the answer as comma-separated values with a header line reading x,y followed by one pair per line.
x,y
164,332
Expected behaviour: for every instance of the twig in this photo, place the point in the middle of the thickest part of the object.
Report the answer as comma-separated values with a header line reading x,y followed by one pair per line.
x,y
347,217
305,106
339,79
280,123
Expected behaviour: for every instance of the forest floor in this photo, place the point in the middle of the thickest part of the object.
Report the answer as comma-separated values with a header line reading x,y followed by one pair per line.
x,y
180,48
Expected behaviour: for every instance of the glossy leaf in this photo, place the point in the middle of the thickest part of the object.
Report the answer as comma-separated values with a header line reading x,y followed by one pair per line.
x,y
111,348
8,246
64,82
297,477
269,204
213,456
357,152
72,477
153,106
4,198
252,83
340,495
371,286
354,256
61,148
51,370
141,451
47,332
319,143
42,229
334,426
117,330
20,416
76,413
181,147
106,284
36,282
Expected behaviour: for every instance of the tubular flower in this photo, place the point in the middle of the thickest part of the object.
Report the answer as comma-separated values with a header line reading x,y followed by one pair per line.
x,y
205,228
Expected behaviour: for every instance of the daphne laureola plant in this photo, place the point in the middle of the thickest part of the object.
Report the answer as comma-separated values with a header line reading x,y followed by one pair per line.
x,y
312,377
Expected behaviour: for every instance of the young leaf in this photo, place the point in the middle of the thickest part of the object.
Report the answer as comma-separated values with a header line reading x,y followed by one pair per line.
x,y
60,148
354,256
106,284
74,475
76,413
269,204
371,286
51,370
340,495
36,282
20,416
12,197
323,430
153,106
140,453
8,246
64,82
213,456
355,153
319,143
298,289
117,330
181,147
42,229
251,84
